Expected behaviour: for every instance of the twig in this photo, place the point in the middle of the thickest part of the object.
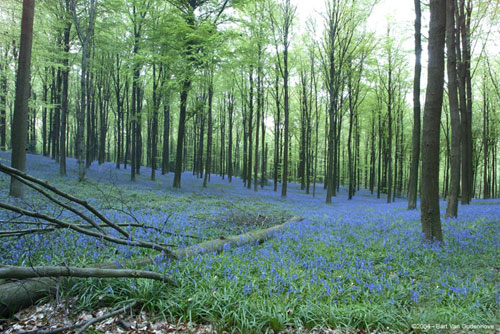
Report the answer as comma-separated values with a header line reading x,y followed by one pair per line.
x,y
105,316
32,272
16,233
84,324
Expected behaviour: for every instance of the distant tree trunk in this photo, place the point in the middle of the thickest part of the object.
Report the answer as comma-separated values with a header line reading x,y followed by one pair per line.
x,y
154,125
165,162
19,123
349,137
452,207
230,139
486,149
222,137
466,111
316,122
64,97
3,104
373,154
44,113
257,123
181,132
250,120
80,112
89,147
127,125
415,157
263,144
302,140
133,125
380,149
431,222
245,140
57,113
119,112
277,130
284,183
208,159
389,127
201,142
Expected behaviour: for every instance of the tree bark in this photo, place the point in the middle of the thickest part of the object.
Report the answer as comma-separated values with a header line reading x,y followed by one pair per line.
x,y
452,206
64,96
430,216
34,272
181,133
415,155
19,123
208,159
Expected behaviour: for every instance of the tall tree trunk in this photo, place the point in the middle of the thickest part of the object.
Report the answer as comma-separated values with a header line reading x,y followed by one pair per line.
x,y
276,130
284,184
165,162
415,153
389,127
463,60
80,111
3,104
250,120
181,133
257,123
19,123
431,221
452,206
349,137
154,125
208,159
44,112
230,139
64,97
263,144
486,149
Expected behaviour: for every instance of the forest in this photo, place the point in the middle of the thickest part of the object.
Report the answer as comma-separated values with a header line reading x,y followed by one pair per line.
x,y
249,166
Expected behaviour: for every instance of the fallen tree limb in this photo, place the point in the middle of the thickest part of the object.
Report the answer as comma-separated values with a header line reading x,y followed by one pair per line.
x,y
88,232
82,325
19,294
45,271
52,228
14,172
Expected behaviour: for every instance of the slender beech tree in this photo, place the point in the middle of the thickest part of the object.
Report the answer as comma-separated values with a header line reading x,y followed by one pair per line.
x,y
452,206
208,159
19,122
189,10
415,152
282,29
430,217
84,37
65,90
3,97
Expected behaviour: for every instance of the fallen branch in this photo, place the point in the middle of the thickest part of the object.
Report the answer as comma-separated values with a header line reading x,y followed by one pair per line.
x,y
54,227
45,271
82,325
77,228
18,233
14,172
16,295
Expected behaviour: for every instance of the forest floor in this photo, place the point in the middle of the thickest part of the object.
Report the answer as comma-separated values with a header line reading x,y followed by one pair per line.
x,y
355,265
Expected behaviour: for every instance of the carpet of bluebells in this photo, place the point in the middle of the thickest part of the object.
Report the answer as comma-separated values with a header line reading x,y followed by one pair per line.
x,y
354,264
